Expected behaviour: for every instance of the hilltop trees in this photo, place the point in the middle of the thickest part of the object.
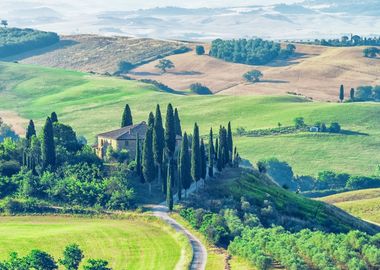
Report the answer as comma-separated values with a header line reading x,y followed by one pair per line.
x,y
48,146
54,117
253,76
164,65
30,131
126,119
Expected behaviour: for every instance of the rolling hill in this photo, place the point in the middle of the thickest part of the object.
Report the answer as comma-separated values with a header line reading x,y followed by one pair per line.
x,y
93,104
361,203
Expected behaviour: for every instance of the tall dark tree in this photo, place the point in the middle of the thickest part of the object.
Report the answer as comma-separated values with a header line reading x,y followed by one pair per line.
x,y
341,93
72,257
170,135
138,158
54,117
185,164
158,142
177,121
211,155
30,131
230,142
196,156
219,161
203,160
223,147
216,149
126,119
151,120
48,146
170,179
148,159
352,94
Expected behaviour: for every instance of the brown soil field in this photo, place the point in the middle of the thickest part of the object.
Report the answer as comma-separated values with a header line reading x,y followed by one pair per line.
x,y
18,123
92,53
315,72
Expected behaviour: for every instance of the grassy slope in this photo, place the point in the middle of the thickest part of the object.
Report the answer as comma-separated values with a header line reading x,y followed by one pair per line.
x,y
126,244
94,104
361,203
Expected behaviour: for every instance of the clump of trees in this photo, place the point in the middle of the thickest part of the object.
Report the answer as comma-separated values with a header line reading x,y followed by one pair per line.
x,y
15,40
251,51
200,50
253,76
371,52
164,65
345,41
41,260
365,93
200,89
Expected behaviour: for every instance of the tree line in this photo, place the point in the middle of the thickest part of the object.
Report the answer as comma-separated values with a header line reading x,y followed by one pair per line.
x,y
361,93
177,165
15,40
41,260
346,41
251,51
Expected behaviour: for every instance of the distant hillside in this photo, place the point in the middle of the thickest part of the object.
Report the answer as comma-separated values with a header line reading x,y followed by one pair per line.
x,y
98,54
14,40
361,203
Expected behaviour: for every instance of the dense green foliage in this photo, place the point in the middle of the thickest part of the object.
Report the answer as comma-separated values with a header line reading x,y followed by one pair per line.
x,y
251,52
15,40
366,93
253,76
200,89
126,119
346,41
371,52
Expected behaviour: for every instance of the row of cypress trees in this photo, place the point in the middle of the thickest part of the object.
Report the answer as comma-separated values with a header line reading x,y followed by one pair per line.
x,y
184,165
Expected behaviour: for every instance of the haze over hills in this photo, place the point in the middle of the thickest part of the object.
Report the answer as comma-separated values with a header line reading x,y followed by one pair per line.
x,y
198,21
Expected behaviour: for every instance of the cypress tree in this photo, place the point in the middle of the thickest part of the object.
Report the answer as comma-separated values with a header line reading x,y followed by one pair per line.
x,y
216,149
203,160
30,131
211,155
170,136
230,142
177,121
148,159
126,119
151,120
185,164
352,94
138,158
195,156
48,146
169,192
158,142
341,93
54,117
219,161
179,181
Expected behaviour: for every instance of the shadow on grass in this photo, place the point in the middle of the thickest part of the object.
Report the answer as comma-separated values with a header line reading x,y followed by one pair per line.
x,y
350,132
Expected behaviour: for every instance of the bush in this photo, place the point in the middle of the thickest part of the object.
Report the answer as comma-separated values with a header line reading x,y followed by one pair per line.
x,y
125,66
200,89
334,128
200,50
253,76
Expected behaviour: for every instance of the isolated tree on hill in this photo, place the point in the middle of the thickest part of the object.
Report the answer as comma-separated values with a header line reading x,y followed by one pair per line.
x,y
203,160
4,23
54,117
165,64
148,159
48,146
211,155
158,141
151,120
352,94
253,76
177,122
185,164
341,93
126,119
170,137
230,143
169,184
30,131
138,158
72,257
196,156
200,50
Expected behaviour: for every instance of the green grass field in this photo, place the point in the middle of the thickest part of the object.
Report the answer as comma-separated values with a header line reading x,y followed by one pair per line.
x,y
361,203
127,244
93,104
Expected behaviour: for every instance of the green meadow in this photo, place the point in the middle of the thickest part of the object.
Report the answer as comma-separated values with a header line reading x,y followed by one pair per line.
x,y
126,243
93,104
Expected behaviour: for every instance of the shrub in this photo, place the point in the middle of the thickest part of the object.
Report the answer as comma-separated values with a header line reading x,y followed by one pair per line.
x,y
253,76
125,66
200,89
335,128
200,50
